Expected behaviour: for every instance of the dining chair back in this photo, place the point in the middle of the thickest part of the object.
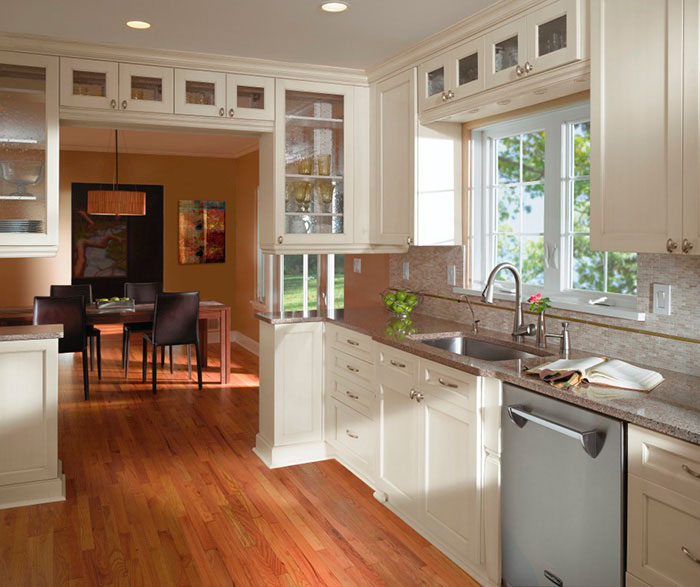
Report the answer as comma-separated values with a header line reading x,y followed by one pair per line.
x,y
143,293
64,291
175,318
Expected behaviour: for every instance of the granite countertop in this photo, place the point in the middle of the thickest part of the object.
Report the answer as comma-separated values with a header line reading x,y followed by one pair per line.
x,y
44,331
672,408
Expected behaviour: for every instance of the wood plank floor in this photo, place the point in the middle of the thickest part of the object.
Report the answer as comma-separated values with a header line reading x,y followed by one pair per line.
x,y
165,490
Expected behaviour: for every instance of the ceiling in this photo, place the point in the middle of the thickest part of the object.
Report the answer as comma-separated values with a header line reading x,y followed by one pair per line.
x,y
369,32
74,138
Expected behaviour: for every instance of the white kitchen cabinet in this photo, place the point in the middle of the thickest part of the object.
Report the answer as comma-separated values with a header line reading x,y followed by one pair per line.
x,y
250,97
642,189
353,436
146,88
29,151
202,93
89,83
291,394
506,53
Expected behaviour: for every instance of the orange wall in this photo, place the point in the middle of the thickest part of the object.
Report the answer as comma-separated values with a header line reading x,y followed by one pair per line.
x,y
362,289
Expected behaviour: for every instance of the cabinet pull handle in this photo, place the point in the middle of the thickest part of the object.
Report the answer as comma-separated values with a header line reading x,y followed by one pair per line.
x,y
352,342
230,113
222,111
689,554
688,470
280,240
519,71
352,369
671,245
352,395
416,395
351,435
113,103
450,95
444,97
687,246
123,104
409,240
528,67
447,383
397,364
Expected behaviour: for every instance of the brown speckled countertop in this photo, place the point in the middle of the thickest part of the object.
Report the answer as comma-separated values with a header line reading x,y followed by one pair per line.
x,y
44,331
672,408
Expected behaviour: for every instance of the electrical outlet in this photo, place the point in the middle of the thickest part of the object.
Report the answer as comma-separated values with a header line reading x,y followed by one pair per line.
x,y
357,265
662,299
452,275
406,273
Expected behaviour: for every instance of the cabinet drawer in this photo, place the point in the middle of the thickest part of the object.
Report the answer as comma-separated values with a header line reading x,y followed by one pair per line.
x,y
455,386
349,430
348,341
396,367
353,395
666,461
351,367
663,535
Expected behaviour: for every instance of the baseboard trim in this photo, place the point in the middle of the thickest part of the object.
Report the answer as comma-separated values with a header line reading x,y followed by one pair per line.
x,y
293,454
245,341
34,492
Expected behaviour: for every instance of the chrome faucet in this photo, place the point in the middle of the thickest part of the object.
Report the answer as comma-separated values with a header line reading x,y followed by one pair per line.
x,y
519,328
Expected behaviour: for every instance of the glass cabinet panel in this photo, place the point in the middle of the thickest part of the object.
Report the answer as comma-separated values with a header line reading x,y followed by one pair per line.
x,y
506,54
146,88
551,36
23,149
198,92
468,69
314,160
250,97
436,81
90,83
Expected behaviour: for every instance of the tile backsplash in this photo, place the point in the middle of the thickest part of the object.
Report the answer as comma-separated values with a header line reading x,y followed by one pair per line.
x,y
429,274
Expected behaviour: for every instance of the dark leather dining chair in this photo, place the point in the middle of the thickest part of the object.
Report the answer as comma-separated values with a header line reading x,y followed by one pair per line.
x,y
175,322
69,311
93,333
141,293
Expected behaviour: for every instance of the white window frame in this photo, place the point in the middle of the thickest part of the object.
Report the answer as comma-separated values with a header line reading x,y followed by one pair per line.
x,y
558,254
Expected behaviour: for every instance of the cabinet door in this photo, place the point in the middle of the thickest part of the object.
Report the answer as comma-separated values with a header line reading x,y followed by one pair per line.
x,y
314,146
401,439
466,69
636,125
450,505
89,84
145,88
433,82
691,131
250,97
393,122
200,92
554,35
28,155
505,51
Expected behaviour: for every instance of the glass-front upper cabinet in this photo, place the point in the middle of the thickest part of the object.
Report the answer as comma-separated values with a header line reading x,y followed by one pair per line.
x,y
506,50
89,83
554,35
313,142
200,92
28,155
145,88
250,97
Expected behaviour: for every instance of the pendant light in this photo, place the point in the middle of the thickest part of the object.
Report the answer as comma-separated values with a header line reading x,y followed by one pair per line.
x,y
116,202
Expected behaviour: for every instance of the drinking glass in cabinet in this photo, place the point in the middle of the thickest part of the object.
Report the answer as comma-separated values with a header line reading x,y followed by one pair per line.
x,y
506,54
468,69
305,165
323,164
551,36
303,194
22,148
326,190
200,93
89,83
250,97
436,81
146,88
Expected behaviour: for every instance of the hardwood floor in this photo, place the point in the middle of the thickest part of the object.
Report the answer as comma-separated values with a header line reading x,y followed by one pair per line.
x,y
165,490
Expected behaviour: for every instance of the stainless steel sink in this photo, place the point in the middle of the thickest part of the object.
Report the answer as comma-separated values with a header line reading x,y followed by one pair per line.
x,y
478,349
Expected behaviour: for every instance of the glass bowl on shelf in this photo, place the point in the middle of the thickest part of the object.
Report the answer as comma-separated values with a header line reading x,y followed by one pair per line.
x,y
21,174
401,302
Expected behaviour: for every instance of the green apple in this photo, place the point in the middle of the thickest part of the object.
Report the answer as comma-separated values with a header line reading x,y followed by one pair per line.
x,y
400,295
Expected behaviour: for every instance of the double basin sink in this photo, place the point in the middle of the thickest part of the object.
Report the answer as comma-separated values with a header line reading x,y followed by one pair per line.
x,y
477,349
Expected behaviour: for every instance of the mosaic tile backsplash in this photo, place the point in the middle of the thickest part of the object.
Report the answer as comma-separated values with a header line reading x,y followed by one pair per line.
x,y
428,274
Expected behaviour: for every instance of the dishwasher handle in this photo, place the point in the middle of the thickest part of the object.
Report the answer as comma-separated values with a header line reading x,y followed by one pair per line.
x,y
591,440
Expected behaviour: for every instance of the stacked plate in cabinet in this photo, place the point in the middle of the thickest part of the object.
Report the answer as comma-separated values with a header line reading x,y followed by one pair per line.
x,y
21,225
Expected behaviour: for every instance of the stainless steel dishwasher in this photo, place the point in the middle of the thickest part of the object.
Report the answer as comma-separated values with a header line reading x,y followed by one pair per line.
x,y
562,494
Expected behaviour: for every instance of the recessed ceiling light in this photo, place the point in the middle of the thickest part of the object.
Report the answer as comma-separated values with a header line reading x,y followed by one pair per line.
x,y
334,6
138,24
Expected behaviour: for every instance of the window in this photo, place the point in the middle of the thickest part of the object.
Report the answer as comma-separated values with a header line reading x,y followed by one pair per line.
x,y
532,209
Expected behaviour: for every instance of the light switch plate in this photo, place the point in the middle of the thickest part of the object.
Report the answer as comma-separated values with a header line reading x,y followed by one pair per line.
x,y
357,265
662,299
406,273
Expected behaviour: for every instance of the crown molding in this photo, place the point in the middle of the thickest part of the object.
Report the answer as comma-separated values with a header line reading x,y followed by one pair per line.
x,y
472,26
183,59
244,150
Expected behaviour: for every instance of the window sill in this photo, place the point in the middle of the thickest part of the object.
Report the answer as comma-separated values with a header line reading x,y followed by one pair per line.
x,y
259,306
569,304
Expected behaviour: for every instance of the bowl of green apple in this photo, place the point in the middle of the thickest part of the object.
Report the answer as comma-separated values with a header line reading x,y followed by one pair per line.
x,y
401,302
115,303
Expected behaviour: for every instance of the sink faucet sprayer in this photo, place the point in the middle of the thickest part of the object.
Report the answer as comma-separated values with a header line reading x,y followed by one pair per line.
x,y
519,328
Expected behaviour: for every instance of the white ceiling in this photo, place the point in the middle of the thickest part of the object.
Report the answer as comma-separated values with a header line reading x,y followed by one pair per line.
x,y
74,138
287,30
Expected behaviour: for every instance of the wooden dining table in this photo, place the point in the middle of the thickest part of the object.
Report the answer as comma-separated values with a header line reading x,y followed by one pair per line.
x,y
208,309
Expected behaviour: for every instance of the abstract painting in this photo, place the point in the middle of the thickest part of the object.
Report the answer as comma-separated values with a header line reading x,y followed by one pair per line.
x,y
202,236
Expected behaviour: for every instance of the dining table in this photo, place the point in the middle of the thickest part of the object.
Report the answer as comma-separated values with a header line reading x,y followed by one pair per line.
x,y
208,309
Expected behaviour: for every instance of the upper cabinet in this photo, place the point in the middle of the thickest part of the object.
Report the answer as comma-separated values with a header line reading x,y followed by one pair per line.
x,y
644,127
145,88
250,97
89,83
28,155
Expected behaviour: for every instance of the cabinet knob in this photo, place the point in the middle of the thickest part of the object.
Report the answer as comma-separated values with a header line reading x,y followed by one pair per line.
x,y
409,240
222,111
444,97
230,113
280,240
528,67
123,104
687,246
671,245
450,95
519,71
113,103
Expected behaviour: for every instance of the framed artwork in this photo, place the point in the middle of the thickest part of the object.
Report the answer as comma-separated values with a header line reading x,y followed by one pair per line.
x,y
202,232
